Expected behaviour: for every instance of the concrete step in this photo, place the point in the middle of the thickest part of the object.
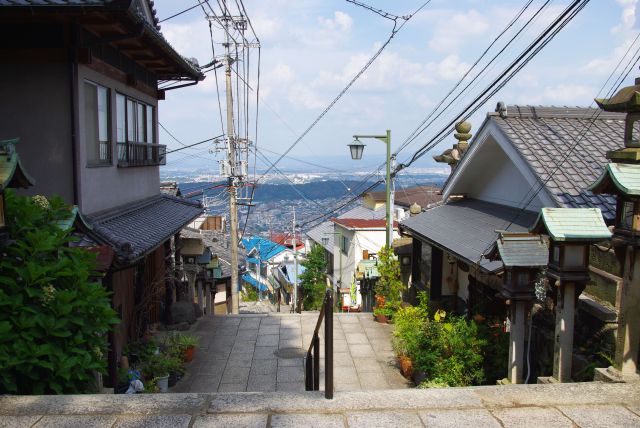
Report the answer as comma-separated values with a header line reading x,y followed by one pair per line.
x,y
578,404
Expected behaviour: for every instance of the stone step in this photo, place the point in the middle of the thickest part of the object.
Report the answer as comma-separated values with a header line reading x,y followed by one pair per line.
x,y
577,404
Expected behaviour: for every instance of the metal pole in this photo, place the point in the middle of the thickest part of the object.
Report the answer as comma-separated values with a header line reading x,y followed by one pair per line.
x,y
295,265
316,362
328,345
388,191
233,207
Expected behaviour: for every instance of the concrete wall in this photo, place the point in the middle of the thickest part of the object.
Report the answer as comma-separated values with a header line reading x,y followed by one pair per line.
x,y
493,177
35,107
105,187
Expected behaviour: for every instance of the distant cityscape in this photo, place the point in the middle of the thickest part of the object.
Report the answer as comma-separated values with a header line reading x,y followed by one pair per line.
x,y
311,194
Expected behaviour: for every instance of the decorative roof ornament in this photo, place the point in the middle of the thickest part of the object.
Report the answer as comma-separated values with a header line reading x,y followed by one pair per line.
x,y
627,100
415,209
453,155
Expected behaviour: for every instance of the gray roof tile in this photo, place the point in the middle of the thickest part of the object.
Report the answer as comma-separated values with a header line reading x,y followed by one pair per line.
x,y
468,227
546,135
135,229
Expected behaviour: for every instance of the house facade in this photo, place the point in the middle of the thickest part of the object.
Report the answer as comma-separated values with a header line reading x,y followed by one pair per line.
x,y
515,166
263,258
81,83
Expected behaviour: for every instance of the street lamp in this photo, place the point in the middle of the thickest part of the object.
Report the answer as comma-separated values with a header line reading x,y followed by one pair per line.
x,y
356,149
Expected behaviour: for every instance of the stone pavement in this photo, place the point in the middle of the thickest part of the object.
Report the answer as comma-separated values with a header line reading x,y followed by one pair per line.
x,y
264,352
537,406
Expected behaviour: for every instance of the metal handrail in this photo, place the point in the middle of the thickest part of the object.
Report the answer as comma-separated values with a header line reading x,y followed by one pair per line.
x,y
312,361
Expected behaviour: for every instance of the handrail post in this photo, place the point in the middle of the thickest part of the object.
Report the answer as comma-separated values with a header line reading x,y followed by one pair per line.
x,y
308,379
328,345
316,362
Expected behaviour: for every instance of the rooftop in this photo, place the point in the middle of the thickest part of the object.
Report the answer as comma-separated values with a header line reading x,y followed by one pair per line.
x,y
566,148
566,224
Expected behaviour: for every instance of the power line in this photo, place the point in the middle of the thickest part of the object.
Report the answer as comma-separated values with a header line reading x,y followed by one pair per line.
x,y
195,144
394,31
499,82
179,13
410,138
380,12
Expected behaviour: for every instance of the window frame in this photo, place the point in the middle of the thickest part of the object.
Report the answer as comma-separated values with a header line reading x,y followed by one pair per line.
x,y
146,109
108,143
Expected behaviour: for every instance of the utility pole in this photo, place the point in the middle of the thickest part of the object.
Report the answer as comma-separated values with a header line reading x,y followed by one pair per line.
x,y
235,166
295,264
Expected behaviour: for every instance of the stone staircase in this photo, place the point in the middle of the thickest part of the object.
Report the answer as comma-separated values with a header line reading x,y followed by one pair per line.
x,y
570,405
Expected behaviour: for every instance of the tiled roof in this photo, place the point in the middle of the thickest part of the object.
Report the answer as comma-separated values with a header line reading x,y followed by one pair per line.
x,y
468,227
134,11
266,248
285,239
12,173
421,195
135,229
520,249
323,233
544,136
364,213
566,224
619,177
358,223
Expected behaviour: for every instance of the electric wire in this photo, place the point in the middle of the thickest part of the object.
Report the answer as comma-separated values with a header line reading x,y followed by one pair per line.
x,y
179,13
482,55
394,31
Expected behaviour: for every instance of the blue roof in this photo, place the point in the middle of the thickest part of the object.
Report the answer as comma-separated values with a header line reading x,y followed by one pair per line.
x,y
266,248
251,280
252,260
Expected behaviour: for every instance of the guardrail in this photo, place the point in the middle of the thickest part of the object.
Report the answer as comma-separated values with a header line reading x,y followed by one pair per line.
x,y
312,360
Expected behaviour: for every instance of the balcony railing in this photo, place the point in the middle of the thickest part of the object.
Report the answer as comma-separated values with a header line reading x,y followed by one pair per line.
x,y
141,154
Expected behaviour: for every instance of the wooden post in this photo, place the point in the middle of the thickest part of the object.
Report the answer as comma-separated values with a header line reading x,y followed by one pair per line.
x,y
565,316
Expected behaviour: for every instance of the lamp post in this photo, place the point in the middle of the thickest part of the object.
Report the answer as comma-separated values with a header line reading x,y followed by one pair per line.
x,y
356,149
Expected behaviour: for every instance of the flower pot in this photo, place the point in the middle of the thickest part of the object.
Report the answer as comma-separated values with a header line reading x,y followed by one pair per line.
x,y
163,383
418,377
173,379
188,354
382,319
406,366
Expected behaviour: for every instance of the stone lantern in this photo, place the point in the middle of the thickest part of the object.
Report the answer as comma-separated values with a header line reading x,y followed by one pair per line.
x,y
203,261
523,256
572,231
621,179
12,174
192,248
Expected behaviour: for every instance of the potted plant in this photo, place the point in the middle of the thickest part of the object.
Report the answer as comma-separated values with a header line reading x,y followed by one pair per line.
x,y
382,314
188,343
156,370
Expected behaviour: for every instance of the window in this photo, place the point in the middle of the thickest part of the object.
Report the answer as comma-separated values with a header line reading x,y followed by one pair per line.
x,y
325,241
134,120
523,279
344,244
626,218
96,106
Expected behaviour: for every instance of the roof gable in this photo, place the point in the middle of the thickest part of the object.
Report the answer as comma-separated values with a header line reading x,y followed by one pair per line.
x,y
545,139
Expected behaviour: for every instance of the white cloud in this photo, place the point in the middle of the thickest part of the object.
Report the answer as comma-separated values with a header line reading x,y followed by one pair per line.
x,y
341,22
303,97
452,31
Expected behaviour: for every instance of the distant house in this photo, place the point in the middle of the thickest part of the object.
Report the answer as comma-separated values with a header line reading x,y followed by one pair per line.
x,y
424,196
80,84
522,159
263,256
287,240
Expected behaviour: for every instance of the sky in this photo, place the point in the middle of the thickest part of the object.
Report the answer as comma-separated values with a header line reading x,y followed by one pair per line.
x,y
310,49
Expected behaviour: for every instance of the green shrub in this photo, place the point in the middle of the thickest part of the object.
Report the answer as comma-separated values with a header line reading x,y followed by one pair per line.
x,y
389,285
250,294
54,319
313,279
447,349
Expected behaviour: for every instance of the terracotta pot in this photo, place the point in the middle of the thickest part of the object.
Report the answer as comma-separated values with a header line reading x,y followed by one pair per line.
x,y
406,366
188,354
382,319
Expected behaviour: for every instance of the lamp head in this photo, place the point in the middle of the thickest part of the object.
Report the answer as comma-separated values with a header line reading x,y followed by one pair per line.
x,y
356,149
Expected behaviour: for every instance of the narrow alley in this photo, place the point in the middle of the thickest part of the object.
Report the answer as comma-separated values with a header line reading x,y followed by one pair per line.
x,y
264,352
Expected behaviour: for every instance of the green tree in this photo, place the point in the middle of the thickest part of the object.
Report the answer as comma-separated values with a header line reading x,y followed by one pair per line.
x,y
312,280
53,318
389,283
